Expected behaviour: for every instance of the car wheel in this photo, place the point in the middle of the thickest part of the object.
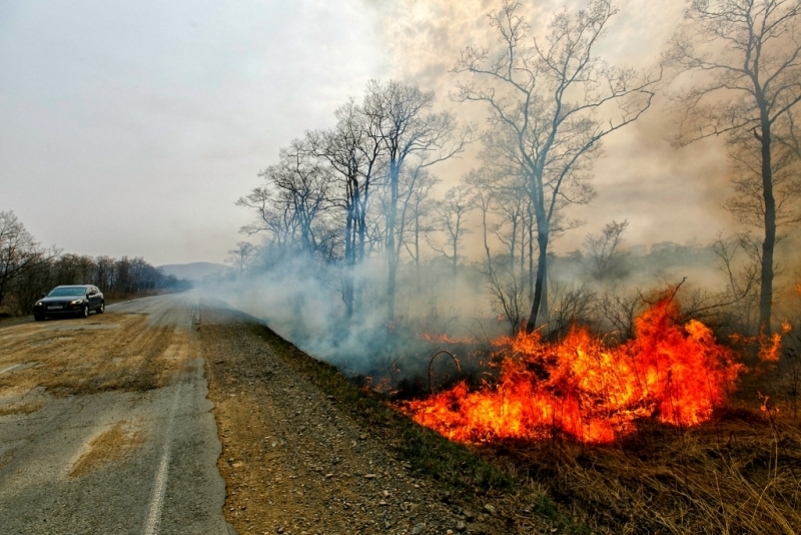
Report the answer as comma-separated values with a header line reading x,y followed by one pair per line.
x,y
101,308
38,317
85,311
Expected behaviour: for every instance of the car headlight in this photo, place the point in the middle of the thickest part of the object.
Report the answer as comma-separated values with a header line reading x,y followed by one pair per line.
x,y
38,304
76,301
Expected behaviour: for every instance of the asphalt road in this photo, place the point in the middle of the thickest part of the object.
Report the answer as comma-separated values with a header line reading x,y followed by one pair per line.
x,y
117,461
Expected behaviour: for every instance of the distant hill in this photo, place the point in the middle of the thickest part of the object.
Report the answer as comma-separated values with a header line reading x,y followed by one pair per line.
x,y
196,270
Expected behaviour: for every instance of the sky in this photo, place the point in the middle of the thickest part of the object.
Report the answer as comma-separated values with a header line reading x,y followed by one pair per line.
x,y
131,128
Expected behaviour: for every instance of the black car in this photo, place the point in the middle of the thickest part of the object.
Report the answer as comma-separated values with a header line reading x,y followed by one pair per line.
x,y
70,300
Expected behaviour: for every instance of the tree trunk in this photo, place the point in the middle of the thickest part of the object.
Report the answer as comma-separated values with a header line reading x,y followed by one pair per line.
x,y
538,311
766,280
392,260
531,284
535,319
350,253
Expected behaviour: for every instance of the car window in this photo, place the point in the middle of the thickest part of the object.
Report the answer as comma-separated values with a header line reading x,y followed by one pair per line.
x,y
65,292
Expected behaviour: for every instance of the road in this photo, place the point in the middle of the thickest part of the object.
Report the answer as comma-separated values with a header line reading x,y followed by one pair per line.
x,y
105,425
143,421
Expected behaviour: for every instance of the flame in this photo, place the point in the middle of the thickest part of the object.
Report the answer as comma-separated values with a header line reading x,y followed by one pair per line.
x,y
770,346
579,387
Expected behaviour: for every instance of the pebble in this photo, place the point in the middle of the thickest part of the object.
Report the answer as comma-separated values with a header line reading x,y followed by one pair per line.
x,y
395,504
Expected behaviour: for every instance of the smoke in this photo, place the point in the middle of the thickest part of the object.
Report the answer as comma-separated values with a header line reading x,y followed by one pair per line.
x,y
671,197
666,194
300,298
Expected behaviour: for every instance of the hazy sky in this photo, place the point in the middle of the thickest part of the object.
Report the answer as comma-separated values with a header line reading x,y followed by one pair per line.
x,y
131,128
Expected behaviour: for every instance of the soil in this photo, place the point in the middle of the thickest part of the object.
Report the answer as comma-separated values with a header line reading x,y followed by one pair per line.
x,y
68,357
294,460
108,446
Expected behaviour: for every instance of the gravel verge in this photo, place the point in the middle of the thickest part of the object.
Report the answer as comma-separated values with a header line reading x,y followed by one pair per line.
x,y
297,461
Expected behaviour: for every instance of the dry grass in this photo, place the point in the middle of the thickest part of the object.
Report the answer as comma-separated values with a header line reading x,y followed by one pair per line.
x,y
84,356
740,474
23,407
110,445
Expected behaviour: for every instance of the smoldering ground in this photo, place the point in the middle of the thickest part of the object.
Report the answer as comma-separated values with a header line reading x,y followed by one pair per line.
x,y
301,299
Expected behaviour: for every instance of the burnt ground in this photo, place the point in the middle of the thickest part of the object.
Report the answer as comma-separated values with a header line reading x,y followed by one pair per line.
x,y
304,452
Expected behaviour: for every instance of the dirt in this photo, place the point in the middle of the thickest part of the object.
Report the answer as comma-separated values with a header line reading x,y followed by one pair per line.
x,y
84,356
109,446
295,462
22,407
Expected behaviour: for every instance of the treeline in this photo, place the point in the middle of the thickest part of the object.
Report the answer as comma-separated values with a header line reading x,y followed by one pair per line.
x,y
27,269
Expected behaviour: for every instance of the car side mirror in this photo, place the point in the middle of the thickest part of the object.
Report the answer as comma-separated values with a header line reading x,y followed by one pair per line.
x,y
43,295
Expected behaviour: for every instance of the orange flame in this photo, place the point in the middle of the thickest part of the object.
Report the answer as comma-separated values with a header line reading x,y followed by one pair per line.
x,y
677,374
770,346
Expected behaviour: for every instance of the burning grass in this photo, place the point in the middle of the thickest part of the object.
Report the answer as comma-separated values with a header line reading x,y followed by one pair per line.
x,y
647,436
677,374
736,471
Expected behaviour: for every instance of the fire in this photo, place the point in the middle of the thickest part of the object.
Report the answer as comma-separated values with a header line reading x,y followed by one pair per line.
x,y
579,387
770,347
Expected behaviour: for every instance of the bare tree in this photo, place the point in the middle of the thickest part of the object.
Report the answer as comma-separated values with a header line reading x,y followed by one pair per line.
x,y
408,130
419,209
242,256
352,150
19,251
748,54
551,101
603,250
504,283
275,217
449,219
294,200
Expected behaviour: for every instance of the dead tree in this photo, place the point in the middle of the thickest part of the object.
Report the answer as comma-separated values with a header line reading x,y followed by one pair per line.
x,y
551,102
749,55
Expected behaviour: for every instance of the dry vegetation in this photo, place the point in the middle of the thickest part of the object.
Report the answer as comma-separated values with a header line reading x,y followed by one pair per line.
x,y
22,407
739,474
112,444
70,357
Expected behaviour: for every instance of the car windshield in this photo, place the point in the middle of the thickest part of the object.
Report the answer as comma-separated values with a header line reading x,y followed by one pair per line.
x,y
65,292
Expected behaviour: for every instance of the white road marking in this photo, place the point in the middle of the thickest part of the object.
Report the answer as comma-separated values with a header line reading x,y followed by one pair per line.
x,y
10,368
160,487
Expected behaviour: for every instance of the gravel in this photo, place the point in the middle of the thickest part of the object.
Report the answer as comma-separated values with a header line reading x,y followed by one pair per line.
x,y
296,463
